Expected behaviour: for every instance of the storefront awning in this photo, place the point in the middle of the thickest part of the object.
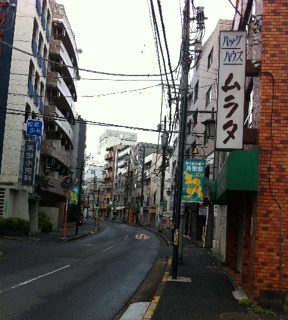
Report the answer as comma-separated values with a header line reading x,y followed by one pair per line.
x,y
240,173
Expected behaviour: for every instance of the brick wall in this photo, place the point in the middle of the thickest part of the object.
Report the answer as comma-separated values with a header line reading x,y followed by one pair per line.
x,y
273,164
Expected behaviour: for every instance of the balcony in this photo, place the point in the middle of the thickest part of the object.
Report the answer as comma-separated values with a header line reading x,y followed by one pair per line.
x,y
108,165
109,156
58,49
65,126
64,98
107,176
61,21
54,149
57,189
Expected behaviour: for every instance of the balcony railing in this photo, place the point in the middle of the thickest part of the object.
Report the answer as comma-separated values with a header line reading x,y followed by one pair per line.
x,y
57,48
53,148
62,20
55,113
54,80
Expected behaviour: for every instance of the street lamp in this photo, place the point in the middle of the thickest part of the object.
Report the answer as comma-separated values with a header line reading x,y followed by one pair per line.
x,y
209,124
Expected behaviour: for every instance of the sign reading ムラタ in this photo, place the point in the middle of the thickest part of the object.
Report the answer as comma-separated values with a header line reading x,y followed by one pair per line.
x,y
231,90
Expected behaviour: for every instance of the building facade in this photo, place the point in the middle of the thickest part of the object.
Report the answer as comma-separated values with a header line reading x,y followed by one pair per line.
x,y
38,111
246,187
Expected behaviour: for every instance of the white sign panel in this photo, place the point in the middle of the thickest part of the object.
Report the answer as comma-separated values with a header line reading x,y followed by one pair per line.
x,y
231,90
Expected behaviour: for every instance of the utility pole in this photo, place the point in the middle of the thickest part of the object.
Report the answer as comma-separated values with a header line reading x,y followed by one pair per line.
x,y
79,197
185,61
142,185
163,167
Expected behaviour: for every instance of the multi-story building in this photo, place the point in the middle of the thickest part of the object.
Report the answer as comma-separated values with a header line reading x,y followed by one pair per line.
x,y
24,53
139,196
40,67
60,113
92,186
122,184
202,107
111,138
249,174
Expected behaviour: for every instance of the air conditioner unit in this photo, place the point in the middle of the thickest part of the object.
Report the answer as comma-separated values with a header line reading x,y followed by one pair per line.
x,y
52,127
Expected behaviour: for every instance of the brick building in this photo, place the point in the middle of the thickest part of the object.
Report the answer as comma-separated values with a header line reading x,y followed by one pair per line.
x,y
248,184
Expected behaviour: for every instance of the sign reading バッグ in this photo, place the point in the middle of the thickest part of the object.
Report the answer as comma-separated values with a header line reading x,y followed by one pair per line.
x,y
231,90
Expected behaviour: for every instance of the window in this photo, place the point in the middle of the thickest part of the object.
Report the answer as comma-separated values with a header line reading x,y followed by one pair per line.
x,y
196,91
208,97
210,59
188,127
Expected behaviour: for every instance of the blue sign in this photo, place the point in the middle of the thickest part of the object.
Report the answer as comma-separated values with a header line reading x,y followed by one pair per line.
x,y
34,128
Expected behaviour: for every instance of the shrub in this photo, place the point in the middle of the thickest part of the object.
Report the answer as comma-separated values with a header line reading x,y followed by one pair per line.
x,y
14,227
44,223
254,308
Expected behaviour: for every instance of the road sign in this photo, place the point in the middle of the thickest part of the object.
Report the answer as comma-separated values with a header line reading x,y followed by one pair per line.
x,y
142,236
34,128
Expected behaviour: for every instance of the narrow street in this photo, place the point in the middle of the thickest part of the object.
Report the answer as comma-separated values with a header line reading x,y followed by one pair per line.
x,y
89,278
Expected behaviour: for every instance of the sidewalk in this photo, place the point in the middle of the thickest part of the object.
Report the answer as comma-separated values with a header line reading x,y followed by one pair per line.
x,y
88,227
202,290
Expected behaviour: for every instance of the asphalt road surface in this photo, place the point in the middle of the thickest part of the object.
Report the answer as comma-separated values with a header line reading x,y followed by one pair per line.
x,y
89,278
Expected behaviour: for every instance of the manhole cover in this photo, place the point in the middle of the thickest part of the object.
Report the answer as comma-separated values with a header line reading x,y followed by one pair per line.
x,y
238,316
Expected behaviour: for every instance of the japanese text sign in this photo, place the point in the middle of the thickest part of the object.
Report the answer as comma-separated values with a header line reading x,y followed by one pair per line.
x,y
28,172
193,181
231,90
34,128
74,195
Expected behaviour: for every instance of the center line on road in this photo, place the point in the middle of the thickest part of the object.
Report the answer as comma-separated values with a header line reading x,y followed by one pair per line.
x,y
109,248
33,279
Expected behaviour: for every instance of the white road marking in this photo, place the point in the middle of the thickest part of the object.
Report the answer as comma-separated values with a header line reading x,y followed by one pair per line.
x,y
109,248
126,237
36,278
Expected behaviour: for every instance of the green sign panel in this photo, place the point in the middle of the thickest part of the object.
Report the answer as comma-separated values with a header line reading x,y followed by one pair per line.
x,y
193,181
74,194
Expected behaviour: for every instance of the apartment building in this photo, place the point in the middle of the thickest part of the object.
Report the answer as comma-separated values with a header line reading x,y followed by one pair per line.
x,y
39,61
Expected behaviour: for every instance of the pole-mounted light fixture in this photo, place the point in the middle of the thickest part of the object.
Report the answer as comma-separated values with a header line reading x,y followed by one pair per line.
x,y
209,126
168,191
195,151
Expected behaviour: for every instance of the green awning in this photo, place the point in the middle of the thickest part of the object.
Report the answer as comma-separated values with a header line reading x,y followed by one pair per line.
x,y
212,190
240,173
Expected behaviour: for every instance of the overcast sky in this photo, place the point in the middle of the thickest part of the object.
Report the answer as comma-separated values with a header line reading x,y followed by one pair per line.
x,y
116,37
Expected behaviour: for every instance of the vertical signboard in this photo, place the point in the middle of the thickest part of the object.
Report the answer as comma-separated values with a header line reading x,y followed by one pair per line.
x,y
74,196
231,90
193,181
28,172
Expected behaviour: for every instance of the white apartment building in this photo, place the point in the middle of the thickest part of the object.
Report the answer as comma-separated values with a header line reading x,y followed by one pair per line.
x,y
37,84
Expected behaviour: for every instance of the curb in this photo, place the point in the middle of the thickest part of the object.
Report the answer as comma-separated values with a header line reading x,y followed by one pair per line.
x,y
90,233
153,305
